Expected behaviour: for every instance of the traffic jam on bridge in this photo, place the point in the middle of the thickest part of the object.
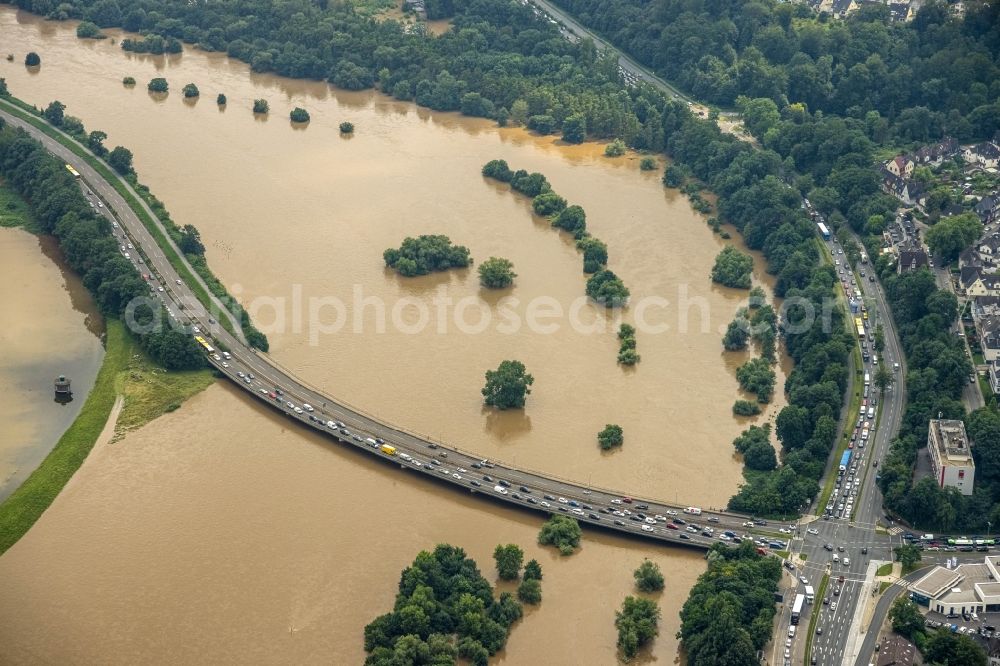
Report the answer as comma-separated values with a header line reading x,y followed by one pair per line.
x,y
664,522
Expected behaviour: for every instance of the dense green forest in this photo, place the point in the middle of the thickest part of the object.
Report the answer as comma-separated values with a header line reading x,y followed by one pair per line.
x,y
86,241
728,616
932,70
498,60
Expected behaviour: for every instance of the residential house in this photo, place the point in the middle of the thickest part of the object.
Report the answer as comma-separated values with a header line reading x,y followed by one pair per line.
x,y
988,330
952,209
986,155
899,11
896,651
984,284
969,277
909,192
900,166
988,209
938,152
911,257
842,8
969,259
994,376
990,245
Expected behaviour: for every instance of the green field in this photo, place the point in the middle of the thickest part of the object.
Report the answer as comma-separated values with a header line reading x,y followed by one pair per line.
x,y
884,570
14,211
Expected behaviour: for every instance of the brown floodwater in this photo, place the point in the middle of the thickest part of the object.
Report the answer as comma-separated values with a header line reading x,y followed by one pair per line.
x,y
239,540
51,327
264,544
291,216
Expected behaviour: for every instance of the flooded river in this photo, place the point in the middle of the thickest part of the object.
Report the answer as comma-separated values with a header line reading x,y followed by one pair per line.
x,y
217,532
265,544
51,327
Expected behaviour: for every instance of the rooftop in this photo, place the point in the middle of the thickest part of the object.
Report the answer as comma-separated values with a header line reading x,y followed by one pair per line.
x,y
896,651
952,444
937,581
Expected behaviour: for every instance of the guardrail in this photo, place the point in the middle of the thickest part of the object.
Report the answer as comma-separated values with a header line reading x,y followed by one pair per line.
x,y
320,426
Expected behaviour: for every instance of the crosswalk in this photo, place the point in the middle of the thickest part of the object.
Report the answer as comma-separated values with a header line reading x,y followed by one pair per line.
x,y
895,531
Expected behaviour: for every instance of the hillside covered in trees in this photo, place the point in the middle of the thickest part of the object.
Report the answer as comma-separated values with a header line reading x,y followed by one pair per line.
x,y
932,73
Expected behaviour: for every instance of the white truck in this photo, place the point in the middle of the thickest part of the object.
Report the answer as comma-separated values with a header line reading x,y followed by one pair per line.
x,y
810,594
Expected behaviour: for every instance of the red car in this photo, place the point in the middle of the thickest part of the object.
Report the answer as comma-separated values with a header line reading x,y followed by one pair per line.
x,y
627,500
671,526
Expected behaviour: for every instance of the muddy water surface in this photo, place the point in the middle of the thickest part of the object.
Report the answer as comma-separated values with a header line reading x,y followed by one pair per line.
x,y
50,327
217,532
265,544
291,217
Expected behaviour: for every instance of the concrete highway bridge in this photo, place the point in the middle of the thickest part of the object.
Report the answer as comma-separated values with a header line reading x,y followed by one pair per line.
x,y
416,455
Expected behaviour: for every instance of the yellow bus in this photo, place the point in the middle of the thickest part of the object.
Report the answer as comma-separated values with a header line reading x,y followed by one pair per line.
x,y
76,174
204,343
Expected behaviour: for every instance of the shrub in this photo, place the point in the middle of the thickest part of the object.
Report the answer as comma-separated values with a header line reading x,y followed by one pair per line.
x,y
496,273
607,289
299,115
158,85
508,386
610,437
87,30
648,577
498,169
615,149
548,203
732,268
530,591
426,254
261,106
746,408
561,531
346,128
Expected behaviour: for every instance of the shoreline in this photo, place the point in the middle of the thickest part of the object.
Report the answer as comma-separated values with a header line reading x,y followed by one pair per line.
x,y
30,500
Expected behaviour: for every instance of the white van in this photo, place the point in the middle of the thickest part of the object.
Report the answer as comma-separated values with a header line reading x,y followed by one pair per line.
x,y
847,561
306,406
791,631
371,442
871,412
836,558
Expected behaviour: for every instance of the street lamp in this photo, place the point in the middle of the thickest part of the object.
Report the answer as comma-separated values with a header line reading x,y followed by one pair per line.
x,y
989,527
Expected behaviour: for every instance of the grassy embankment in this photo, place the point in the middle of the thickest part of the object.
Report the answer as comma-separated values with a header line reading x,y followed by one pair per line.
x,y
28,113
814,616
20,511
14,210
884,570
148,391
853,406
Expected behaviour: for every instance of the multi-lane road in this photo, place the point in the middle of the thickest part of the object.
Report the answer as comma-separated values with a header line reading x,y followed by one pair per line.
x,y
826,538
414,454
